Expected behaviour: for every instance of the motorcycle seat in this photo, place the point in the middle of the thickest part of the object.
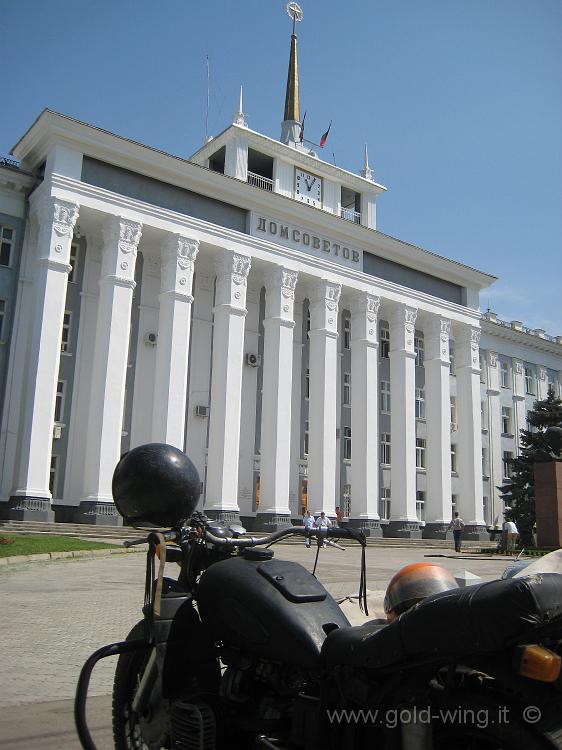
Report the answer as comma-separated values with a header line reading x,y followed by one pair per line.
x,y
452,624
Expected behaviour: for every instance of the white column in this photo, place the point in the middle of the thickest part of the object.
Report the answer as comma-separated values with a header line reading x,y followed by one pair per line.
x,y
322,455
364,415
494,434
56,218
470,503
109,371
438,424
236,158
226,385
296,407
403,520
542,383
520,413
172,348
278,326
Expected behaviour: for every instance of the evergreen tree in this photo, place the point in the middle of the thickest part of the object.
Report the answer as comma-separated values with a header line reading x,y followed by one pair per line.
x,y
518,492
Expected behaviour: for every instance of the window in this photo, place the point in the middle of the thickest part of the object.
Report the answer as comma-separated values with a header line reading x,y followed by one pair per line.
x,y
308,320
6,243
385,342
504,374
53,475
59,401
307,383
506,420
451,357
305,446
347,443
2,317
484,462
420,453
453,458
420,403
506,463
454,423
420,505
346,332
384,504
74,248
385,448
385,395
419,350
66,323
529,381
347,389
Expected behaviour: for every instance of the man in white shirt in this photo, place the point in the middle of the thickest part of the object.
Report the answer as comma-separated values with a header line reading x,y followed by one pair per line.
x,y
457,524
323,523
308,523
512,535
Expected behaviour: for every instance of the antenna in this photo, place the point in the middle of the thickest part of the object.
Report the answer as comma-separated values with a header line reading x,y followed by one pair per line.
x,y
334,158
208,98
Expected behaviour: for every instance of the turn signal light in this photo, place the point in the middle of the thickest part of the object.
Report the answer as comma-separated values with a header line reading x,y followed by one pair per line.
x,y
538,663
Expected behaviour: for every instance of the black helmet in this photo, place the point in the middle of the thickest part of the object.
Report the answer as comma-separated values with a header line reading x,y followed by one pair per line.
x,y
155,484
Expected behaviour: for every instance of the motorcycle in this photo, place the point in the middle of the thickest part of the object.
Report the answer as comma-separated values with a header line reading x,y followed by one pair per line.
x,y
247,651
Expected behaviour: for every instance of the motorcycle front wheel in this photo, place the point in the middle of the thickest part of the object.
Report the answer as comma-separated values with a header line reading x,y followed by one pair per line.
x,y
127,730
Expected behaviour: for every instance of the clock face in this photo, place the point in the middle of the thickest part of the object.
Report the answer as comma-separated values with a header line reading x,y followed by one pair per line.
x,y
308,188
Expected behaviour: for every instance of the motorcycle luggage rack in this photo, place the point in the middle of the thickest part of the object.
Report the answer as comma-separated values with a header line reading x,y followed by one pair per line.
x,y
113,649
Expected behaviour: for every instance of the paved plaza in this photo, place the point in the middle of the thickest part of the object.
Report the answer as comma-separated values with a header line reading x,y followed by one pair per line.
x,y
55,614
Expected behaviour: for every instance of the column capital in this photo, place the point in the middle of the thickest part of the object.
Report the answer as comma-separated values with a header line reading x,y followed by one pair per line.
x,y
232,279
467,350
402,328
178,262
55,219
364,313
324,299
437,334
280,284
121,238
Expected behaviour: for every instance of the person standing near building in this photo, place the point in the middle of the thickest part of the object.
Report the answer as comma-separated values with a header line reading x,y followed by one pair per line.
x,y
457,524
323,523
339,516
308,522
512,535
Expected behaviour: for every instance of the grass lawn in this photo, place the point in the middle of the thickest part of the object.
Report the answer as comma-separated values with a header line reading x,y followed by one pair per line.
x,y
34,544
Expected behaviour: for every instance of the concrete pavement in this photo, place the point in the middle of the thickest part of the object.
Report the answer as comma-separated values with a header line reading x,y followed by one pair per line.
x,y
55,614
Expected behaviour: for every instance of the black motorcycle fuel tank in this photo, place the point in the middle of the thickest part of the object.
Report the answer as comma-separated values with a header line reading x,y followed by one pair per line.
x,y
273,609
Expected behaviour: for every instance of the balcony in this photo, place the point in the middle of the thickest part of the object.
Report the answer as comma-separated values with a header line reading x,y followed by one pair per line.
x,y
350,215
261,182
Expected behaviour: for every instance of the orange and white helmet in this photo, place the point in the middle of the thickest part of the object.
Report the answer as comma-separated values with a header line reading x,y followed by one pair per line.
x,y
413,583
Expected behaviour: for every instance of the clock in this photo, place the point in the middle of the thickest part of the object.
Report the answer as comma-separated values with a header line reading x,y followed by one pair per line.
x,y
308,188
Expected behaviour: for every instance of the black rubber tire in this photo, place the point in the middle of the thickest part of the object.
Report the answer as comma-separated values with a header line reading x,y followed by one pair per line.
x,y
130,667
509,732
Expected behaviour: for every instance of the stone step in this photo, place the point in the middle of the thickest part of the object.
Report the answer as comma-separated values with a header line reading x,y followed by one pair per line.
x,y
85,531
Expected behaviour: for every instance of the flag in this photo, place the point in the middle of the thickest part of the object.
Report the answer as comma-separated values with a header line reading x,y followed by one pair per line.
x,y
302,128
325,136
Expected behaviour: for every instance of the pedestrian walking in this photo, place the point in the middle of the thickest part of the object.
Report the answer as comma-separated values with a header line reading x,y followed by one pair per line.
x,y
308,522
457,524
322,523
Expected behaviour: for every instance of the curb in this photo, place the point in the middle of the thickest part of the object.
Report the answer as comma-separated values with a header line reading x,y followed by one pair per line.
x,y
48,556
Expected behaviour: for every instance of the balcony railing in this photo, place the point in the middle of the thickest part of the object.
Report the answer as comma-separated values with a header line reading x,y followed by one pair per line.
x,y
261,182
350,215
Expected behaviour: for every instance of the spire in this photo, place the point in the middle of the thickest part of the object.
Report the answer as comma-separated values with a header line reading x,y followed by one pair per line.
x,y
290,128
367,172
240,118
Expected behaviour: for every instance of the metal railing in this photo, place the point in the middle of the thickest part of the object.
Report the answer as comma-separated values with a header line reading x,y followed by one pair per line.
x,y
350,215
261,182
521,328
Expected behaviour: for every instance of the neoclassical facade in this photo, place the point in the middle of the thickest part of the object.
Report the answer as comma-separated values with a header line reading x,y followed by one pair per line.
x,y
242,306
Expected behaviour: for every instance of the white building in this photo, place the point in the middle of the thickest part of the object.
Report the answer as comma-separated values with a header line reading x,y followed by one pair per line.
x,y
242,305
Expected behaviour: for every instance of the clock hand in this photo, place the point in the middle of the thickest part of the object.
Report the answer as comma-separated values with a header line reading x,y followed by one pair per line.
x,y
307,185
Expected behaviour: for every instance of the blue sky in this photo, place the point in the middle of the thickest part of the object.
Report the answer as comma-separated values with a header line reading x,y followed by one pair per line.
x,y
460,102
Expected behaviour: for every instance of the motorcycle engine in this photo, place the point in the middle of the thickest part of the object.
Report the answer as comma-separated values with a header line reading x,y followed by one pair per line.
x,y
193,726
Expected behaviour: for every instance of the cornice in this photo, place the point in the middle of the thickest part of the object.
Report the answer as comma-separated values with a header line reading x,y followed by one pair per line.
x,y
51,127
15,180
529,340
167,220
